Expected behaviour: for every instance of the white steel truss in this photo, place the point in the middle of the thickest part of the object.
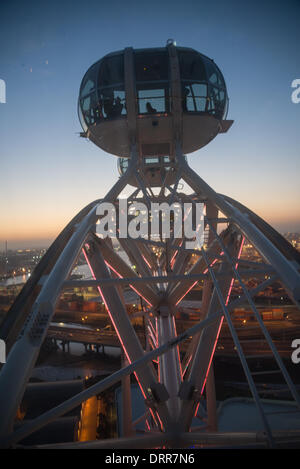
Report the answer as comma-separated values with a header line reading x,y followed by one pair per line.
x,y
171,380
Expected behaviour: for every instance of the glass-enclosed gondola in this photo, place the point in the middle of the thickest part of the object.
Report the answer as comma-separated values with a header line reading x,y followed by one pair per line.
x,y
138,91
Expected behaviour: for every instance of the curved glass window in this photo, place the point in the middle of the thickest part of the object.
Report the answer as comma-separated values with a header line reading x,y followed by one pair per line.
x,y
194,97
191,66
214,75
89,81
112,102
102,92
111,87
89,111
203,86
111,71
81,118
152,81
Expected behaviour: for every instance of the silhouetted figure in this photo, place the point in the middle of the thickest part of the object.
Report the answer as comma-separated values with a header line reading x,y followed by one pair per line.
x,y
150,109
113,107
117,107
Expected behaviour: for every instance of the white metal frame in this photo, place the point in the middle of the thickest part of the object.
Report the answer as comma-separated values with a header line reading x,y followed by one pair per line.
x,y
174,390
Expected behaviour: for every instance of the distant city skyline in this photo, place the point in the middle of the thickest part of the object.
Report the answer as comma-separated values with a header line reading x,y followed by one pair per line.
x,y
48,173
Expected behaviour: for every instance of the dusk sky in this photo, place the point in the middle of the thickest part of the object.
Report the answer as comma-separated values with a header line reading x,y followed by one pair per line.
x,y
48,173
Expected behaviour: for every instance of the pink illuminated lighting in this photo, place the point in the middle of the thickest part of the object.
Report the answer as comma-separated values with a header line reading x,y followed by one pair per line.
x,y
197,408
187,365
213,351
172,262
118,334
236,266
148,263
131,286
177,347
222,319
192,286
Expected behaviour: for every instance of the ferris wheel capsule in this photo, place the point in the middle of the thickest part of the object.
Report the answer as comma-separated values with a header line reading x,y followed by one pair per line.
x,y
150,96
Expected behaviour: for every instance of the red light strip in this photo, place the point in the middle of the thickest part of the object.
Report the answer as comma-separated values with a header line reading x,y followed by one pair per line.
x,y
172,262
186,292
213,262
178,353
152,344
160,422
158,358
222,318
150,331
111,318
205,271
186,366
236,266
211,357
106,306
118,334
148,263
150,325
196,411
120,276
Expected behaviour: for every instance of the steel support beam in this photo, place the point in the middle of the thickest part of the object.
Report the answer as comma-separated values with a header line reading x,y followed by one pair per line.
x,y
180,290
210,390
26,429
202,359
24,353
169,363
127,427
123,270
129,341
285,270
